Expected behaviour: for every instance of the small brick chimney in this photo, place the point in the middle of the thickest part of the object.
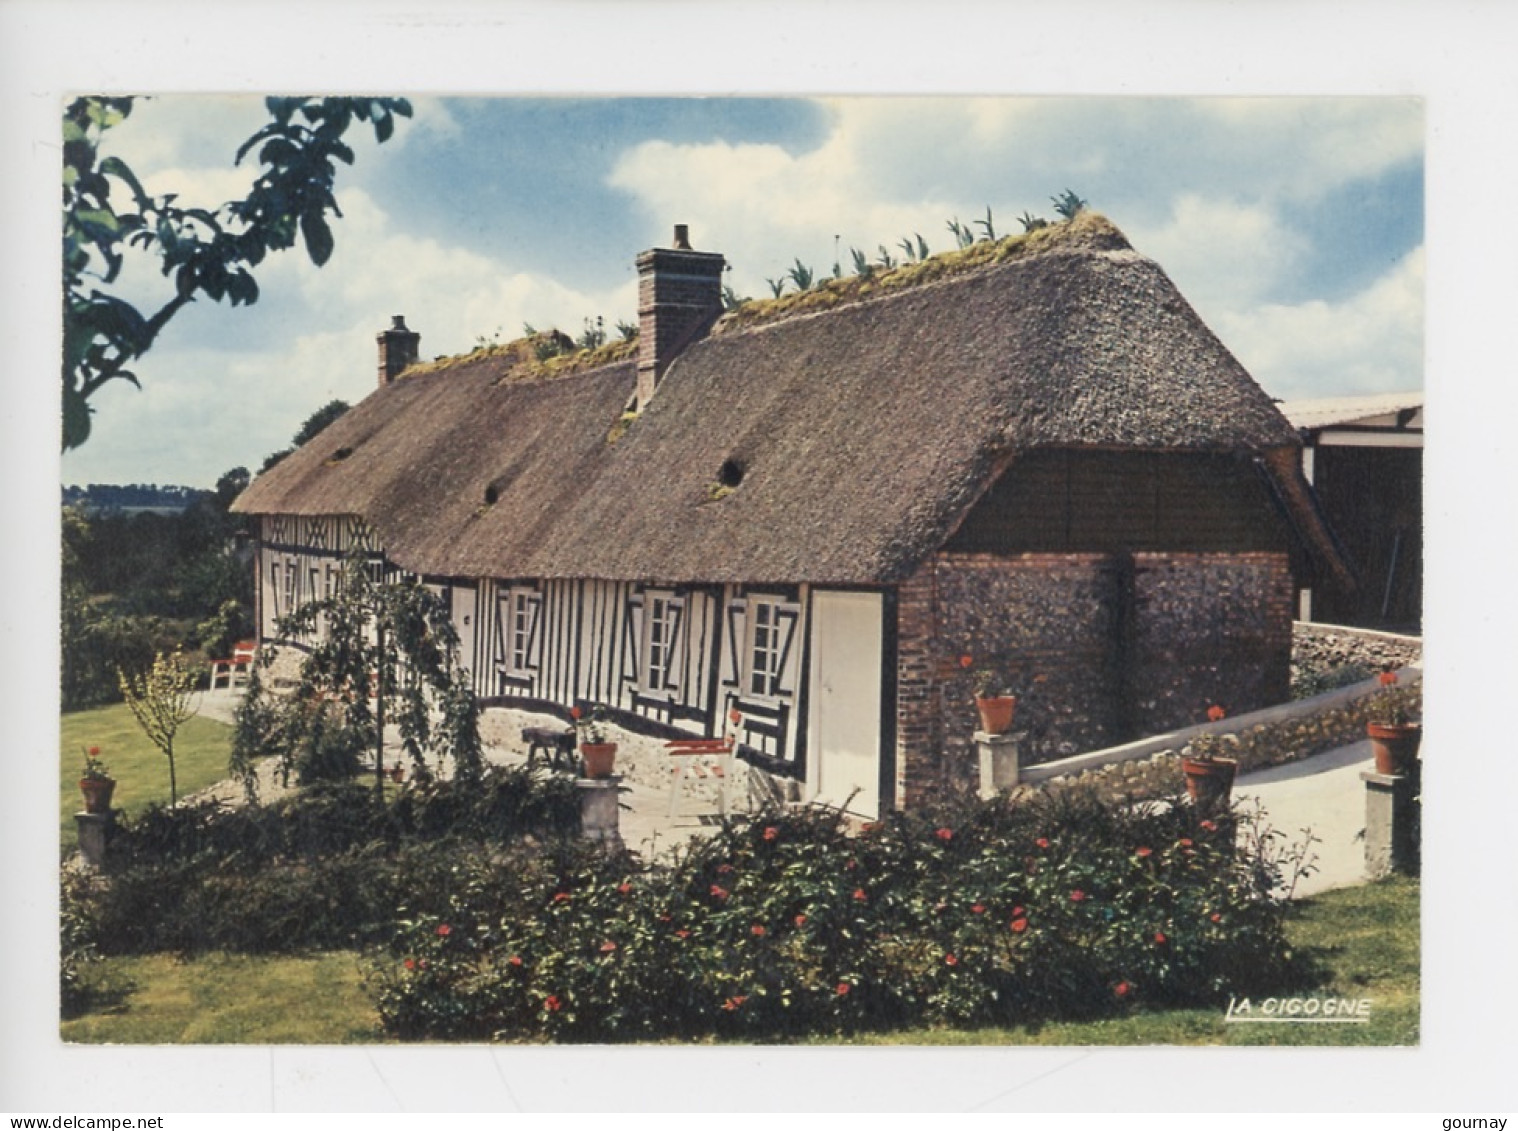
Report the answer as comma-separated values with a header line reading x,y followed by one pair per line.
x,y
679,297
398,348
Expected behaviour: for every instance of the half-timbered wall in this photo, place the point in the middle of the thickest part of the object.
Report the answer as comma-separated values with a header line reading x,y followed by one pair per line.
x,y
300,558
663,659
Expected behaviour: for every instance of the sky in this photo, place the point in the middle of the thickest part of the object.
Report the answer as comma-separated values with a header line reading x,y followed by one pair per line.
x,y
1294,225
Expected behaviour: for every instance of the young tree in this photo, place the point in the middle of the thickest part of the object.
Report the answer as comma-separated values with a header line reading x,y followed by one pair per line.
x,y
209,252
162,699
381,653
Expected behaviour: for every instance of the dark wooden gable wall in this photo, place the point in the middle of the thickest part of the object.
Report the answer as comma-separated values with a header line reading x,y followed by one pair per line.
x,y
1090,501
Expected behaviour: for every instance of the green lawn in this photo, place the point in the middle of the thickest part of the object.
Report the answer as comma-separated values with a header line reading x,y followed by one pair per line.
x,y
156,999
140,769
1364,940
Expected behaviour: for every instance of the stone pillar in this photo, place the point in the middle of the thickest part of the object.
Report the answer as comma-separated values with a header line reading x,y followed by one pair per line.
x,y
600,813
998,762
94,834
1392,817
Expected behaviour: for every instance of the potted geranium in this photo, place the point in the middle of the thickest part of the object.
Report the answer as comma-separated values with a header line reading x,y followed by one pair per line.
x,y
1394,738
96,783
597,755
1208,767
994,700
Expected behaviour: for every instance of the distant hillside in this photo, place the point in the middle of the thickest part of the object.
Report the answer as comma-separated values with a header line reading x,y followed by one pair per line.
x,y
132,497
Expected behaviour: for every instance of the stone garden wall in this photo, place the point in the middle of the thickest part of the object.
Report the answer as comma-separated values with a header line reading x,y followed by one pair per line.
x,y
1151,768
1326,656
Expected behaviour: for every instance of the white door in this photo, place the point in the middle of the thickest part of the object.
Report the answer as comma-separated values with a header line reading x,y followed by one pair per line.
x,y
463,613
844,729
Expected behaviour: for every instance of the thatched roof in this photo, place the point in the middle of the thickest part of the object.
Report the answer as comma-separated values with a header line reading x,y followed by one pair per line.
x,y
863,432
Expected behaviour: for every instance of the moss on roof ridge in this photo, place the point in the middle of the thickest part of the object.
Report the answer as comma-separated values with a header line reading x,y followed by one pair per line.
x,y
522,364
1089,230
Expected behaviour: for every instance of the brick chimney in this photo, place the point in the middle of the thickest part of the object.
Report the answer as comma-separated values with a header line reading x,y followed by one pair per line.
x,y
397,349
679,297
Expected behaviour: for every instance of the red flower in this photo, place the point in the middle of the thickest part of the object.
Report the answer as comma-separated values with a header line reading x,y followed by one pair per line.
x,y
719,892
1215,712
1017,912
94,751
552,1003
1216,917
409,964
1077,895
944,834
950,960
664,916
1184,842
608,946
515,960
843,989
771,832
1042,842
1387,678
625,888
800,920
1159,938
757,930
574,713
444,930
1145,852
734,1002
1210,826
977,908
735,716
859,895
682,933
1019,926
967,661
560,896
1121,989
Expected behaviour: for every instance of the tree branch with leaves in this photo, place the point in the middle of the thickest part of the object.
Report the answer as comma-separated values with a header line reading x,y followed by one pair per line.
x,y
205,252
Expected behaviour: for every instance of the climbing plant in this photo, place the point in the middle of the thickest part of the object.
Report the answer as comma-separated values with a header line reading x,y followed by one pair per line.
x,y
381,653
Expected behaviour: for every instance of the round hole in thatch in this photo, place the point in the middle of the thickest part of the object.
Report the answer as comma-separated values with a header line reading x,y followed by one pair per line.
x,y
730,474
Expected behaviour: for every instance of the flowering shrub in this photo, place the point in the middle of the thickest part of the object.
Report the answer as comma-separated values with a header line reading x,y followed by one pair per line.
x,y
785,925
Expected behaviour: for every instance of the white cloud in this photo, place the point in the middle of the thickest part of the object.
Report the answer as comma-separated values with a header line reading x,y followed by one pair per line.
x,y
1371,342
235,405
1220,253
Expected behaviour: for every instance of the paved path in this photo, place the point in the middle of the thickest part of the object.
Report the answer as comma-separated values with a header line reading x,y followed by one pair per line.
x,y
1324,794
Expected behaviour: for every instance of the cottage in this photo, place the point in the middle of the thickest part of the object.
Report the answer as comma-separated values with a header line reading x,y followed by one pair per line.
x,y
826,511
1363,456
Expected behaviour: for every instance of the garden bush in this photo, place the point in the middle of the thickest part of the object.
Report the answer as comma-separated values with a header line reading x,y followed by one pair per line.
x,y
326,867
785,924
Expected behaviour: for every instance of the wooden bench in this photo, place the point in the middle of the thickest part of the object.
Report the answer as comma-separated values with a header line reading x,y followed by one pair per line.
x,y
556,746
235,666
690,756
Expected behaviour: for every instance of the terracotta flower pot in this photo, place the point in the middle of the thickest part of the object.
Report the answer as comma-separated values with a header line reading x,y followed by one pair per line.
x,y
1395,746
97,794
996,713
599,758
1209,781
